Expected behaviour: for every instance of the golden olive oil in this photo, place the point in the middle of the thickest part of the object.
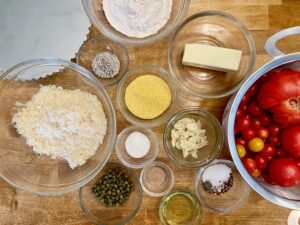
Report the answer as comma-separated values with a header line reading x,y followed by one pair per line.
x,y
180,208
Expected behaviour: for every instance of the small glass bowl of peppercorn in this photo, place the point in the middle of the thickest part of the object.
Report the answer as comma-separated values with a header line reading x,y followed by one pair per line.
x,y
113,197
220,187
104,58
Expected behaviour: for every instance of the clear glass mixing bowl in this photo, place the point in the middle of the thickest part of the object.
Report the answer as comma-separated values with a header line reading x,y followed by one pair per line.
x,y
95,12
20,166
216,29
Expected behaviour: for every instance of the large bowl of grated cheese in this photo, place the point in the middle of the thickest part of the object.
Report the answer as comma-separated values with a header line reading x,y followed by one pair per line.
x,y
57,126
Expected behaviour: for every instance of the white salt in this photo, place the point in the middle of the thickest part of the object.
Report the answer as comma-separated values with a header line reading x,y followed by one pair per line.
x,y
137,145
216,174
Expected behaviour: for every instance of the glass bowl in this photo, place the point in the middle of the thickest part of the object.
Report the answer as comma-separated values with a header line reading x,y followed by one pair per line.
x,y
116,215
207,153
157,179
137,163
93,46
231,200
132,75
217,29
180,207
20,166
95,12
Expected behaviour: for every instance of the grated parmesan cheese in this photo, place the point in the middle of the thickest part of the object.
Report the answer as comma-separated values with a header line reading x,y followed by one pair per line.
x,y
63,124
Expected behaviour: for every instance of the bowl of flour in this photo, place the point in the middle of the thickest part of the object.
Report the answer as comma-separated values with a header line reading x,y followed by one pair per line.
x,y
136,22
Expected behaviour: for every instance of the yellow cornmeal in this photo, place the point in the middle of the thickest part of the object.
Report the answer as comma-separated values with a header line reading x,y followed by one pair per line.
x,y
148,96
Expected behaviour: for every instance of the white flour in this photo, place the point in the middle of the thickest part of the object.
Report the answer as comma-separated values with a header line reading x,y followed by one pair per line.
x,y
137,18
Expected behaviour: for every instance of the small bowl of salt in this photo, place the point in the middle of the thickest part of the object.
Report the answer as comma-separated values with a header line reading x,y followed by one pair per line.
x,y
104,58
137,147
221,188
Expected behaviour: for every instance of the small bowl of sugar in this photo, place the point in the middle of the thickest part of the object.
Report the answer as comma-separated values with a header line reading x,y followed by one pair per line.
x,y
137,147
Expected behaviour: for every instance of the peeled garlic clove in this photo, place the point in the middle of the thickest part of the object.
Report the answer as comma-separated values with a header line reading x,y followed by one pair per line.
x,y
174,134
192,126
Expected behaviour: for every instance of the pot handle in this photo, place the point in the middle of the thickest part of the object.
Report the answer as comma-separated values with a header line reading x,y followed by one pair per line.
x,y
270,45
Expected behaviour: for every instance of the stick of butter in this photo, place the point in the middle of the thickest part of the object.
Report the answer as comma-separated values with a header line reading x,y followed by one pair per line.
x,y
211,57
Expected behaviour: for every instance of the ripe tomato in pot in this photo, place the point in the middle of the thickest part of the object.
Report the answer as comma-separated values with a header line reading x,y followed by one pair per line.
x,y
268,150
249,164
290,140
284,172
281,95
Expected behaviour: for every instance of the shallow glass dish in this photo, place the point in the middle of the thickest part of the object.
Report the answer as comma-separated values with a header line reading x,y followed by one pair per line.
x,y
214,137
97,44
95,12
157,179
231,200
180,207
118,215
217,29
20,166
137,163
132,75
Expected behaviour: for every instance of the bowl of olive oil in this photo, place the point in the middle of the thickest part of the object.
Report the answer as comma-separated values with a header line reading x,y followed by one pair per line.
x,y
180,207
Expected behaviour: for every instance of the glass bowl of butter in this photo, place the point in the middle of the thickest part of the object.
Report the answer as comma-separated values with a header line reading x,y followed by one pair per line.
x,y
211,54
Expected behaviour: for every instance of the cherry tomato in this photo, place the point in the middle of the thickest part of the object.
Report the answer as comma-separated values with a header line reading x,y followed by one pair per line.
x,y
285,172
268,150
241,141
242,123
241,150
235,131
252,91
244,100
256,144
244,108
290,140
280,151
249,164
254,109
248,134
274,129
263,133
260,161
256,173
270,158
273,140
255,123
265,119
239,113
247,116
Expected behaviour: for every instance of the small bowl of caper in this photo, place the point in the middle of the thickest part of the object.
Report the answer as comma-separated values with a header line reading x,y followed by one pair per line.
x,y
113,197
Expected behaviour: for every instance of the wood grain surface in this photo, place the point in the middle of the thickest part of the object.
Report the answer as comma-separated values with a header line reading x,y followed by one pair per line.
x,y
263,18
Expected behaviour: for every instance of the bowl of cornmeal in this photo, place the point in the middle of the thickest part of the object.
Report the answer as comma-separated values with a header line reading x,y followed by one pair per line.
x,y
147,96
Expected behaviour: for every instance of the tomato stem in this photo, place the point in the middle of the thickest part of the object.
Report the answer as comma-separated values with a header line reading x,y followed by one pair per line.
x,y
295,103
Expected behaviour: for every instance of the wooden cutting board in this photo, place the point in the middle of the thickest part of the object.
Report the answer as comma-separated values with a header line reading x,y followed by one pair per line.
x,y
263,18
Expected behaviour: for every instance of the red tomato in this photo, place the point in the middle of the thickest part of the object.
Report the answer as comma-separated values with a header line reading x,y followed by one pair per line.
x,y
290,140
241,141
242,123
268,150
274,129
263,133
255,123
285,172
280,151
270,158
249,164
244,100
239,113
273,140
254,109
248,134
265,119
261,162
281,95
252,91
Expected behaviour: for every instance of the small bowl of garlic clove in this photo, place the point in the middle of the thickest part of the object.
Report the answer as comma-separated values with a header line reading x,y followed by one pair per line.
x,y
193,138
